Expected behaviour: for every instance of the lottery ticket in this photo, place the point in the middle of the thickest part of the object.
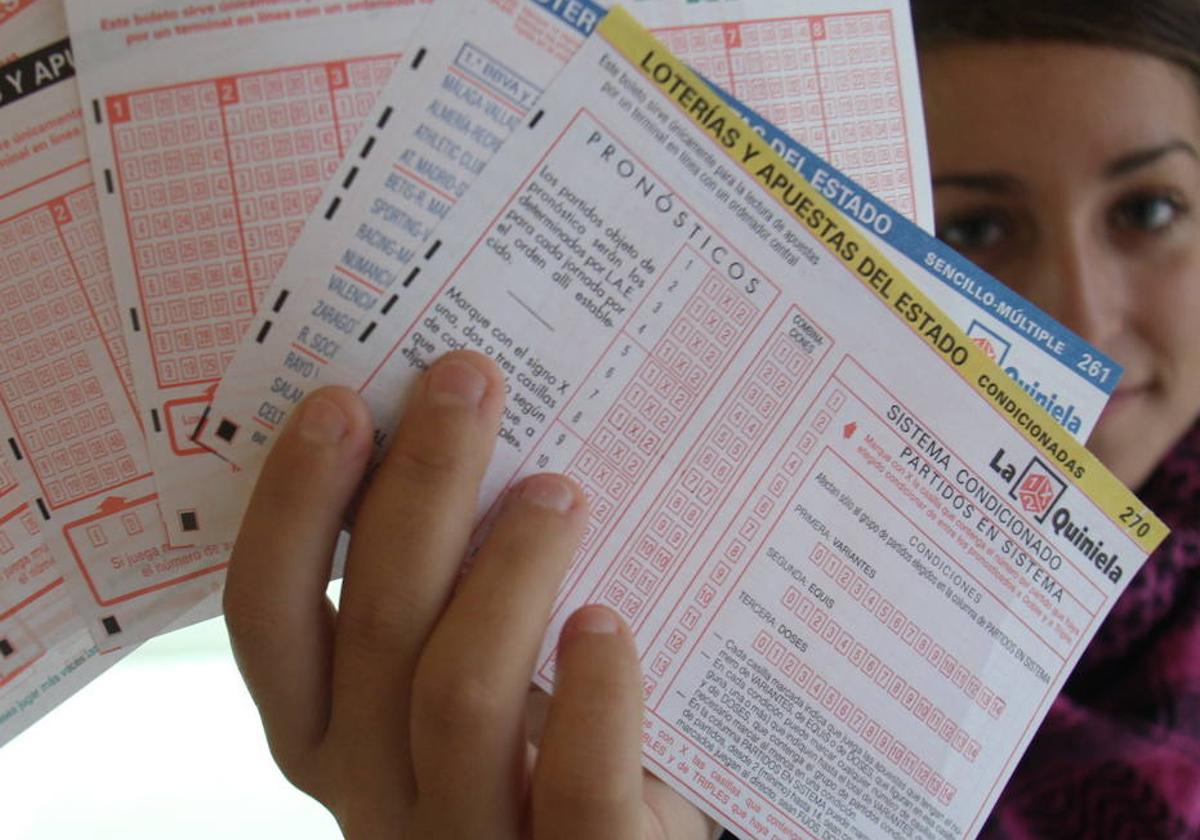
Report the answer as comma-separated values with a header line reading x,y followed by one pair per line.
x,y
840,78
858,560
68,421
212,134
480,69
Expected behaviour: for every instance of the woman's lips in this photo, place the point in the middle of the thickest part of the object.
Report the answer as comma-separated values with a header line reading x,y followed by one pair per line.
x,y
1124,396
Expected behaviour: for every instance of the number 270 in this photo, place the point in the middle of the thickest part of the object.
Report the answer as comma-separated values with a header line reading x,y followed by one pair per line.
x,y
1136,522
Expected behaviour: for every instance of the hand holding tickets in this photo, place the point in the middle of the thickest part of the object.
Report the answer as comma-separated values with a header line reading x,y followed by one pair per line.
x,y
404,712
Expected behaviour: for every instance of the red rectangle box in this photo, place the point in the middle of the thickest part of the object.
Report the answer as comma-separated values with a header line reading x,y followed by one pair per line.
x,y
719,573
662,560
791,597
761,642
843,643
804,609
120,521
845,577
735,551
749,529
805,674
631,607
764,507
661,663
817,621
831,632
790,665
831,565
871,599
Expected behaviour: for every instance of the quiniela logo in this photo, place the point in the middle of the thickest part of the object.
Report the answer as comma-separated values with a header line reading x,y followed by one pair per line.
x,y
992,345
1038,489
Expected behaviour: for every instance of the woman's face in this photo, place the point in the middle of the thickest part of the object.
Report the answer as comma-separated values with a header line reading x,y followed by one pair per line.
x,y
1072,173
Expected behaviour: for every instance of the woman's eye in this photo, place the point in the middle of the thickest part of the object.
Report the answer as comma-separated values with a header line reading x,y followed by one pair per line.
x,y
974,232
1148,213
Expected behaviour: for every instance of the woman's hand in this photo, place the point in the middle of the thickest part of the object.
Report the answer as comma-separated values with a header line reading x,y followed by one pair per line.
x,y
404,711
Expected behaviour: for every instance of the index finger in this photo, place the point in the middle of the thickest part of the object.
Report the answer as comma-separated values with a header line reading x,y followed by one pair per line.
x,y
280,622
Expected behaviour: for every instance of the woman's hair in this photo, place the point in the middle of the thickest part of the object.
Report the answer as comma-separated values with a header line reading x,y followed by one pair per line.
x,y
1167,29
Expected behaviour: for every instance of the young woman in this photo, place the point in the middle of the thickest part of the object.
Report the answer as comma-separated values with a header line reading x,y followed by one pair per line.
x,y
1066,156
1065,144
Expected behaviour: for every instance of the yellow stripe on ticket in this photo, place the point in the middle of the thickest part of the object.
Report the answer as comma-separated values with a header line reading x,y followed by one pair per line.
x,y
902,297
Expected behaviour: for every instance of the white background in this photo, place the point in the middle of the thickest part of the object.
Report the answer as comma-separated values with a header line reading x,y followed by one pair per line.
x,y
166,744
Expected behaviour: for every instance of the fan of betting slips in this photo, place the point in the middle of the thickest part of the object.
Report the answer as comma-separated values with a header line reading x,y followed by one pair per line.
x,y
835,472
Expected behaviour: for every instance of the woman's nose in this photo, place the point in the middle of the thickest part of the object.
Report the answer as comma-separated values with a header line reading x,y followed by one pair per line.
x,y
1081,287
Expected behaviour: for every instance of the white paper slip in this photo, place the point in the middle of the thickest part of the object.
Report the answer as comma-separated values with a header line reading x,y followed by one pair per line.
x,y
839,77
68,417
473,72
1063,373
443,119
212,135
858,560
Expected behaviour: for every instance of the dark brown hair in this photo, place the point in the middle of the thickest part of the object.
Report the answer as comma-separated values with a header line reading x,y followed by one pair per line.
x,y
1167,29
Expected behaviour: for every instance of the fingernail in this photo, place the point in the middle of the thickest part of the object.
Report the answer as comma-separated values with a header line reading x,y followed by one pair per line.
x,y
599,621
549,492
456,383
321,421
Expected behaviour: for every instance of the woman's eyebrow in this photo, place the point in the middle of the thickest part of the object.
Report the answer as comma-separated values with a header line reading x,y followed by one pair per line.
x,y
1145,157
990,182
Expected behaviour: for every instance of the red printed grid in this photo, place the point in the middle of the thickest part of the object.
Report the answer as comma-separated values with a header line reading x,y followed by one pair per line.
x,y
217,178
83,234
910,632
825,627
1051,640
761,396
701,484
855,718
647,416
25,573
49,386
831,82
